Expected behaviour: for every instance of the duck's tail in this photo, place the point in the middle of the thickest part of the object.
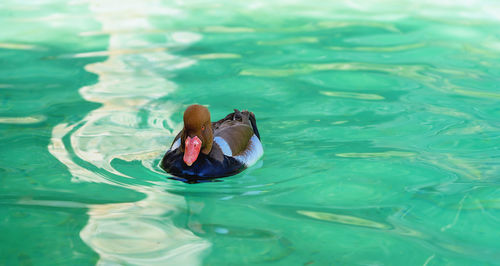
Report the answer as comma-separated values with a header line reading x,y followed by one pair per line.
x,y
254,124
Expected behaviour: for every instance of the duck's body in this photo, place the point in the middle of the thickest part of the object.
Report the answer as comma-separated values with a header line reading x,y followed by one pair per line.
x,y
204,150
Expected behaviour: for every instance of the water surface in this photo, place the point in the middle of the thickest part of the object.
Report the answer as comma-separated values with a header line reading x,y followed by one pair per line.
x,y
379,120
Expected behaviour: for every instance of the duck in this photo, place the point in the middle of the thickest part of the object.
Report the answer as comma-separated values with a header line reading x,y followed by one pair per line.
x,y
205,150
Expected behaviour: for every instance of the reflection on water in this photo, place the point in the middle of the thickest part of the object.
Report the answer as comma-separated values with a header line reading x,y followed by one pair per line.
x,y
344,219
142,232
130,81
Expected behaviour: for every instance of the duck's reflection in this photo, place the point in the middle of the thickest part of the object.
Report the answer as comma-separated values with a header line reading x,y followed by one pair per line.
x,y
235,234
143,232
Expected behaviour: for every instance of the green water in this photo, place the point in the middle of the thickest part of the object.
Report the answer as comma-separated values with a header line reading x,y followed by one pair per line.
x,y
380,122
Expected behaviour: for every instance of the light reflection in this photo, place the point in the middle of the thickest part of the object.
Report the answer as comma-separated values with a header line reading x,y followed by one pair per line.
x,y
216,56
19,46
130,80
345,24
386,154
353,95
408,71
23,120
142,233
225,29
343,219
290,41
395,48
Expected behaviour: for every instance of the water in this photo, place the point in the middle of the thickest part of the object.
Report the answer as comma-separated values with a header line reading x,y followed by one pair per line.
x,y
379,120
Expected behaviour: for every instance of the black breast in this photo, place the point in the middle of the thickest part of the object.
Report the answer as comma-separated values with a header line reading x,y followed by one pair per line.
x,y
205,167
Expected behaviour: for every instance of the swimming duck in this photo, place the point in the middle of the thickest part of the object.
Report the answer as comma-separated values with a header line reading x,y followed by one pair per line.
x,y
206,150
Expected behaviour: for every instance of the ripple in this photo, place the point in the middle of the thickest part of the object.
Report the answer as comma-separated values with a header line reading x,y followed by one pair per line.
x,y
352,95
386,154
446,111
408,71
343,24
480,94
396,48
35,119
269,246
459,166
290,41
225,29
19,46
216,56
343,219
115,52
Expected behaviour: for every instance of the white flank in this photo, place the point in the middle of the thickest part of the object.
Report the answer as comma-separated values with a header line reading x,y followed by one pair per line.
x,y
253,152
223,146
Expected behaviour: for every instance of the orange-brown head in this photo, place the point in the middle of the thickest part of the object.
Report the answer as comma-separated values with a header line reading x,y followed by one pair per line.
x,y
197,133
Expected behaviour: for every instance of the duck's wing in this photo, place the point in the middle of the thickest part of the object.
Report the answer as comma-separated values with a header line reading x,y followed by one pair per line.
x,y
233,135
244,117
233,132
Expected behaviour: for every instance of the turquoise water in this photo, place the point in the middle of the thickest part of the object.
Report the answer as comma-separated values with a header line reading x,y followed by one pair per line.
x,y
380,124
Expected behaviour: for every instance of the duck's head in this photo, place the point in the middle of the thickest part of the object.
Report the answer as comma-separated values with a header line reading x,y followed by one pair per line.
x,y
197,133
